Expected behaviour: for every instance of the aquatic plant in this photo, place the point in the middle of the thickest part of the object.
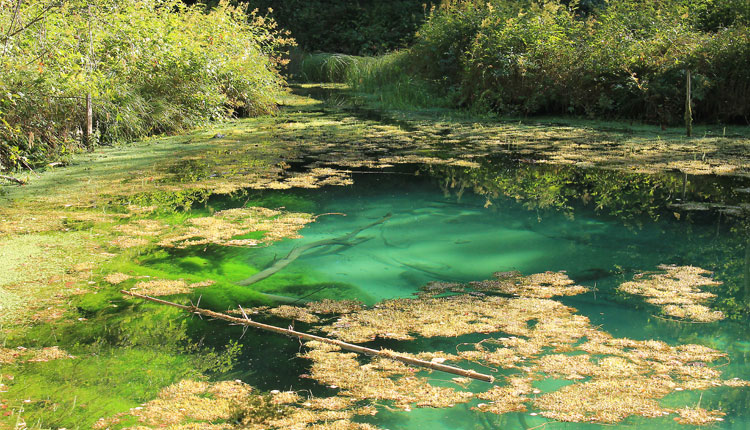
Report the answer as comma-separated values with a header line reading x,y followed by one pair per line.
x,y
613,378
677,292
230,405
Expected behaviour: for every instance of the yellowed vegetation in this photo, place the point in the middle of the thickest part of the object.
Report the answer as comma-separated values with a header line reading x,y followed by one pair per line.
x,y
294,313
40,272
225,226
233,405
541,285
117,278
612,378
677,292
698,416
167,287
327,306
381,379
22,355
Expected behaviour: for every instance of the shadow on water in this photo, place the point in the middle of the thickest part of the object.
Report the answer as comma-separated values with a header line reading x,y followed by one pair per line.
x,y
341,99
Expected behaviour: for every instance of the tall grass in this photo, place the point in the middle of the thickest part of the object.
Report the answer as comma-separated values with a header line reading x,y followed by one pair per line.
x,y
386,79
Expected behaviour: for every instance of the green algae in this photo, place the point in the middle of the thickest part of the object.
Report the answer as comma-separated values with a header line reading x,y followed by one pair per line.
x,y
124,355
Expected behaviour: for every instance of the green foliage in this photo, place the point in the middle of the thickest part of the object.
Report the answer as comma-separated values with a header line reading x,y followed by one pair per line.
x,y
151,67
355,27
715,15
622,59
388,76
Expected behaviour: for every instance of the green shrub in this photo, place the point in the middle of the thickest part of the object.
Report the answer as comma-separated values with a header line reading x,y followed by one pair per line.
x,y
620,59
354,27
151,67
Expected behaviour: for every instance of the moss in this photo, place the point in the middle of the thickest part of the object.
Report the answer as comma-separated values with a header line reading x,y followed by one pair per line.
x,y
74,393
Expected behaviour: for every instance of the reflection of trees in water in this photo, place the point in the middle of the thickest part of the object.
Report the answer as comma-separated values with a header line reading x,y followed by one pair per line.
x,y
707,210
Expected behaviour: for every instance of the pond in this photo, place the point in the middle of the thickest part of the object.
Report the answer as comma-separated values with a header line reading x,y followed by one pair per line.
x,y
439,223
587,294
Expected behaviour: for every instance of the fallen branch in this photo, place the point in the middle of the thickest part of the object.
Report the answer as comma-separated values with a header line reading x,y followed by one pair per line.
x,y
12,179
296,252
343,345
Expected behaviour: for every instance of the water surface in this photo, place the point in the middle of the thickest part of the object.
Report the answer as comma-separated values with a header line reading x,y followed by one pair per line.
x,y
462,224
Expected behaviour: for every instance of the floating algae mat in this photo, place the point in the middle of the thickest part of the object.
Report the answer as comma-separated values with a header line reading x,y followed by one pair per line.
x,y
595,299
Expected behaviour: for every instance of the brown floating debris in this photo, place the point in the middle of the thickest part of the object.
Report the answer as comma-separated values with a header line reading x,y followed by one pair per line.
x,y
536,340
23,355
698,416
678,292
540,285
117,278
539,340
234,405
223,227
168,287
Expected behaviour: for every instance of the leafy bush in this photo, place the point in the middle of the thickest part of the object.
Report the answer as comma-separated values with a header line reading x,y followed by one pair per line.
x,y
620,59
354,27
151,67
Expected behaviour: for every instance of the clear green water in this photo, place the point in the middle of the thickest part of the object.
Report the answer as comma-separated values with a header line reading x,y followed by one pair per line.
x,y
433,234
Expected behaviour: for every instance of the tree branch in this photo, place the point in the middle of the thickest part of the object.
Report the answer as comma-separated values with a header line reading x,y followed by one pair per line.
x,y
341,344
12,179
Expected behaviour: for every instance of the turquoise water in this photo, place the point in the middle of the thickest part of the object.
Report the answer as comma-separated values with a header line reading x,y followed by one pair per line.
x,y
438,232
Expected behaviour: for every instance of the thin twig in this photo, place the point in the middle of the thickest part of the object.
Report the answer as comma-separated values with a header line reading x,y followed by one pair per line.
x,y
34,20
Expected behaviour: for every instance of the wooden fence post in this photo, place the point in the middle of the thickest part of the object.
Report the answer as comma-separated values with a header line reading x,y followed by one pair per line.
x,y
688,106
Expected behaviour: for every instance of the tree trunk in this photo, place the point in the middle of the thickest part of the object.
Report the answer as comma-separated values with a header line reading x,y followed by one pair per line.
x,y
747,271
88,135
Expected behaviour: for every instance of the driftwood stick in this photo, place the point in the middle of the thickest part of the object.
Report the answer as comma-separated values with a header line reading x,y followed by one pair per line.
x,y
12,179
296,252
343,345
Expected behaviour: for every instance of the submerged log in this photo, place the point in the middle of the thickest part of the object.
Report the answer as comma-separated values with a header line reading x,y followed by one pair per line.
x,y
295,253
246,321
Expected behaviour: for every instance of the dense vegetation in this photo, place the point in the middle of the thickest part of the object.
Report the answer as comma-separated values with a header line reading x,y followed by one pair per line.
x,y
151,67
359,27
619,59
